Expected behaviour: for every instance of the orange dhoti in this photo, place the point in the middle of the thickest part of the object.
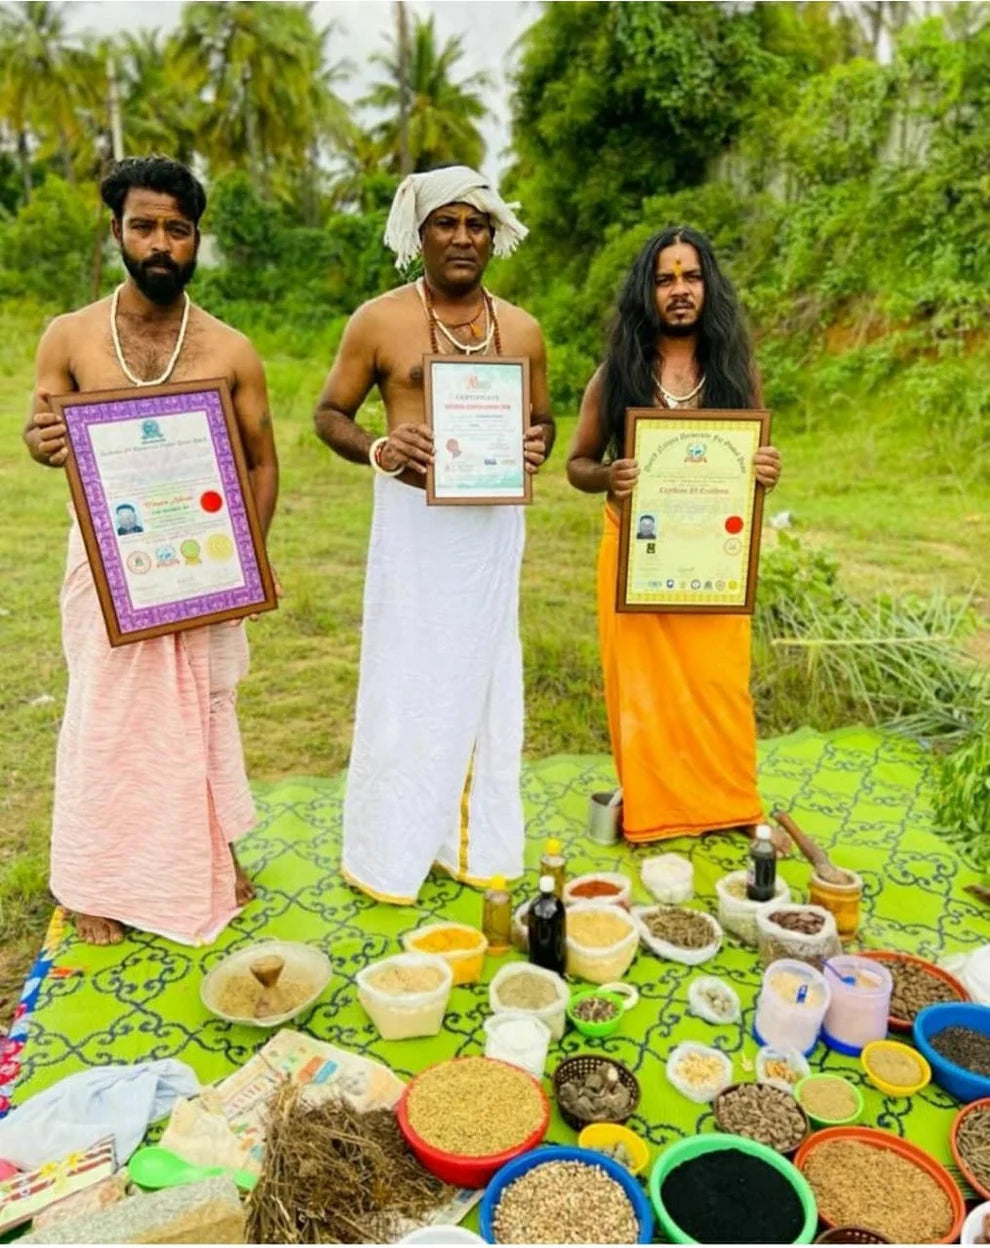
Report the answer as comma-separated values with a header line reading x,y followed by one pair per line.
x,y
680,714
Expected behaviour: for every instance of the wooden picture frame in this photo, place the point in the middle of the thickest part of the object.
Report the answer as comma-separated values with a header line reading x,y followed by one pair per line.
x,y
478,409
163,498
698,486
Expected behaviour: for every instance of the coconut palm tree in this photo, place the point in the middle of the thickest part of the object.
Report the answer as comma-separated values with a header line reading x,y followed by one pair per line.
x,y
443,114
40,74
267,88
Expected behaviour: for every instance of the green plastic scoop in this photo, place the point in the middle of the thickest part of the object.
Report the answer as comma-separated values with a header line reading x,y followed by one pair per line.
x,y
159,1167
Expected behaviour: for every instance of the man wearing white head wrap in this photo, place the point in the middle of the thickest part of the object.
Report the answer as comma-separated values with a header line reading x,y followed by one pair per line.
x,y
422,193
434,776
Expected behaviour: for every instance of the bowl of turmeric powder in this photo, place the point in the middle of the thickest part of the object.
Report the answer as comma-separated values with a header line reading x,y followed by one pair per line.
x,y
461,946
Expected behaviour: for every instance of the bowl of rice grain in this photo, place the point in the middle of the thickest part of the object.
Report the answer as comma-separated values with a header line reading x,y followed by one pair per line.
x,y
465,1118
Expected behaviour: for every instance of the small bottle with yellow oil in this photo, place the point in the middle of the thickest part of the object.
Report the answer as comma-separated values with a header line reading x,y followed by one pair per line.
x,y
496,916
553,863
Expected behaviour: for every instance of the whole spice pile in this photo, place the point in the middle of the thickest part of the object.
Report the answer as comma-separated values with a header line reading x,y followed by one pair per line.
x,y
704,1073
914,988
729,1197
973,1142
897,1067
687,929
597,1094
400,981
597,929
861,1185
780,1068
595,1010
804,921
565,1202
828,1098
763,1113
527,991
473,1107
965,1047
333,1175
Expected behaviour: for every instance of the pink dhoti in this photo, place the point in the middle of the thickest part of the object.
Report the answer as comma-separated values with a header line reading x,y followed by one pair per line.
x,y
150,785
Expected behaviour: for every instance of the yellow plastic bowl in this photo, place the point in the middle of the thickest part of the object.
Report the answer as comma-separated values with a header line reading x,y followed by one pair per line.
x,y
602,1135
466,964
895,1089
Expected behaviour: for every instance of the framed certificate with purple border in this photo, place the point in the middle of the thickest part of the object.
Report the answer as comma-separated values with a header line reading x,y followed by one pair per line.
x,y
164,503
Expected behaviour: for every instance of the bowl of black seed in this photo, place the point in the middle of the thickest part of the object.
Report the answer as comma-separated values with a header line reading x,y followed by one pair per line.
x,y
724,1189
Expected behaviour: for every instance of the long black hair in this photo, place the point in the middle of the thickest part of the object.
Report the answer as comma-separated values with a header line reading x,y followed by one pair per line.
x,y
724,353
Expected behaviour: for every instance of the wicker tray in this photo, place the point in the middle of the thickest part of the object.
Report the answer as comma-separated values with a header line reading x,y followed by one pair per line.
x,y
581,1065
851,1235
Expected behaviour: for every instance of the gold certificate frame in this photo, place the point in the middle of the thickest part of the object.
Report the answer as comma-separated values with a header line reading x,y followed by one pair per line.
x,y
478,410
690,533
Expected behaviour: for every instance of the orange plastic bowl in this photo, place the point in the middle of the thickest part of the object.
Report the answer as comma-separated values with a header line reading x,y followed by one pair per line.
x,y
882,955
894,1143
457,1168
967,1174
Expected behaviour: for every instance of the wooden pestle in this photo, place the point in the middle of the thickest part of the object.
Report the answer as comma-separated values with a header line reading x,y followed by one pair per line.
x,y
266,971
817,856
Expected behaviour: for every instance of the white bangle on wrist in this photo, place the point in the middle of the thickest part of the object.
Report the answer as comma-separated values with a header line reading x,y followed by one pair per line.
x,y
373,450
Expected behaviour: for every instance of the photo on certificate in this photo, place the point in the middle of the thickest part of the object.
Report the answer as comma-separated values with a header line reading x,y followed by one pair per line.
x,y
478,410
162,495
690,532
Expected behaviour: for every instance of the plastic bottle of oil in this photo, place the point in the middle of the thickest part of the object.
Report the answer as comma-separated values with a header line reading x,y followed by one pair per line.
x,y
496,921
547,924
554,863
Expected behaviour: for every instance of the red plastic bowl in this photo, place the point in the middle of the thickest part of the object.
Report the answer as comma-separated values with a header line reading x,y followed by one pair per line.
x,y
459,1169
883,955
967,1174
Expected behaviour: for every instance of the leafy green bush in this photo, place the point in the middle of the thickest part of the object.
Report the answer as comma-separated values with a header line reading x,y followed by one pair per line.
x,y
48,249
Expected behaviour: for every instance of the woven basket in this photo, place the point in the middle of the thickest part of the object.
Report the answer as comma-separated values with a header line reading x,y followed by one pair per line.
x,y
851,1235
581,1065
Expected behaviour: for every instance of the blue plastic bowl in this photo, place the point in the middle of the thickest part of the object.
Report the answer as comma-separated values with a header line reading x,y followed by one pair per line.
x,y
957,1081
539,1157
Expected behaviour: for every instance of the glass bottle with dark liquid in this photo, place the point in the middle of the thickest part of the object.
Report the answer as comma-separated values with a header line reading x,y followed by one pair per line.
x,y
547,923
761,877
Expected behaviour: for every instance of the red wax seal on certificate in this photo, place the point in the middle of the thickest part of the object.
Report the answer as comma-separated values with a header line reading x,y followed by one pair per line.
x,y
211,501
734,524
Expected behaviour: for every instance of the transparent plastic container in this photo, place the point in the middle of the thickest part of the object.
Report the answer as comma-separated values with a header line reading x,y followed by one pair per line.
x,y
738,914
859,1007
400,1016
791,1005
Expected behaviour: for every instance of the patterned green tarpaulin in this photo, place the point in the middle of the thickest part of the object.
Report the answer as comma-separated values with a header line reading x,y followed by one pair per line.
x,y
862,794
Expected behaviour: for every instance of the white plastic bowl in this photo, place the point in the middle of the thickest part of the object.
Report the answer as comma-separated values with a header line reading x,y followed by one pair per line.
x,y
299,958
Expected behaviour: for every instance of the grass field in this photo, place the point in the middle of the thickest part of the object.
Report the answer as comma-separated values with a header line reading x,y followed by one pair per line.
x,y
897,517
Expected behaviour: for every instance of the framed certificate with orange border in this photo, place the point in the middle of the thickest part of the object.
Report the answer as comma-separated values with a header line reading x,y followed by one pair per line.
x,y
478,409
162,495
690,533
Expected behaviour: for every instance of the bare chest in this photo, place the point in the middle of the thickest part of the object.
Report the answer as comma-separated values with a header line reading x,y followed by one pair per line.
x,y
98,363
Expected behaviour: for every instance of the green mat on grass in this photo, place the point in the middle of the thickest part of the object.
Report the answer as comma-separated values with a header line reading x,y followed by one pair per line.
x,y
862,794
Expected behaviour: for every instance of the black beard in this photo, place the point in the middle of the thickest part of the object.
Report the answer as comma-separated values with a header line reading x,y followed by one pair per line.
x,y
161,288
678,329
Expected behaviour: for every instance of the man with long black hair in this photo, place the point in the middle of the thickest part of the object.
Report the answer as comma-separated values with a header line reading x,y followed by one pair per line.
x,y
150,789
676,684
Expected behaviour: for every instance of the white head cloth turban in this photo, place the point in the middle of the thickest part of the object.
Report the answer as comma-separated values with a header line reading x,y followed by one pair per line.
x,y
422,193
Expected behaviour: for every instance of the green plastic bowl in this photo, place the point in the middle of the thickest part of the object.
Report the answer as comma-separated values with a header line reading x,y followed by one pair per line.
x,y
597,1029
696,1146
830,1122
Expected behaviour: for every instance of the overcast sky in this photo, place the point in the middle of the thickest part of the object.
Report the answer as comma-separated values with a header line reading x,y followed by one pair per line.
x,y
488,28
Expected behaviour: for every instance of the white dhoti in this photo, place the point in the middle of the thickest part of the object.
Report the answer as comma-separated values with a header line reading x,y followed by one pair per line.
x,y
435,766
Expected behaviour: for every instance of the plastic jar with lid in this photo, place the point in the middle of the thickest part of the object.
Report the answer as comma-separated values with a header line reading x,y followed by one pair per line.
x,y
792,1003
859,1005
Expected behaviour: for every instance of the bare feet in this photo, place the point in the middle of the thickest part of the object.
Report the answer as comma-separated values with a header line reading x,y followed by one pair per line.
x,y
96,931
243,888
